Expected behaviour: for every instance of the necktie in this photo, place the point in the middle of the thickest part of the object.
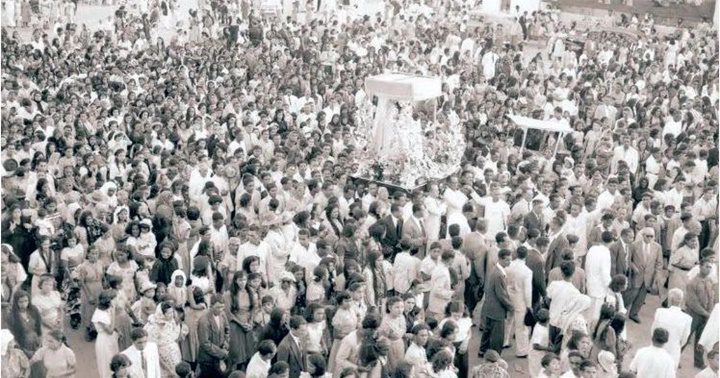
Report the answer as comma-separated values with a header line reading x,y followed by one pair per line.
x,y
144,362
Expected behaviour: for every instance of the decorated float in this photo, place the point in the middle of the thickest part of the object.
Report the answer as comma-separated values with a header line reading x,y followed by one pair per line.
x,y
399,141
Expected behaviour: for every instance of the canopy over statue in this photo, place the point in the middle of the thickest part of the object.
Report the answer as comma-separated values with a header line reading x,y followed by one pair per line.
x,y
403,145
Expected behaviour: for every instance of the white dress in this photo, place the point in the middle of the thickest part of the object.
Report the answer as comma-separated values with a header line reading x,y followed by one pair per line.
x,y
8,13
106,345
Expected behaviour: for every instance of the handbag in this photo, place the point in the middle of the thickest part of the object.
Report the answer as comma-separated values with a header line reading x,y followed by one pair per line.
x,y
529,319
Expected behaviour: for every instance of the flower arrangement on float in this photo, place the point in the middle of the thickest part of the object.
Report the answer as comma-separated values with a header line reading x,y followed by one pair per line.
x,y
417,152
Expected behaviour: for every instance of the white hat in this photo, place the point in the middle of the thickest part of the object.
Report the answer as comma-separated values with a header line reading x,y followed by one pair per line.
x,y
147,285
146,222
287,276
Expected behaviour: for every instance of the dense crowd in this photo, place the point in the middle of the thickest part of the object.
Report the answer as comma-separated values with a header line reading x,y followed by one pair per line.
x,y
179,189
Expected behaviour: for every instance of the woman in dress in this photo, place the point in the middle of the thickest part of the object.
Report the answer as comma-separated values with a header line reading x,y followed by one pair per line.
x,y
125,268
177,289
196,306
14,362
25,323
123,316
393,327
50,305
376,282
57,358
13,273
70,258
42,261
89,275
317,338
240,302
106,344
344,322
456,312
163,329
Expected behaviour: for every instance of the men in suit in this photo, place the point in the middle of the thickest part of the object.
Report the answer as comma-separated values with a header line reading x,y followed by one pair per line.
x,y
535,218
558,243
475,247
143,355
292,347
497,305
646,263
519,286
414,229
676,322
701,298
393,230
620,252
536,262
214,338
441,291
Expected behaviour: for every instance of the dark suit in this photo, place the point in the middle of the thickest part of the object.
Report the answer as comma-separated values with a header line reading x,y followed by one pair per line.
x,y
393,234
619,256
533,221
645,267
292,353
535,262
213,339
494,311
555,250
475,248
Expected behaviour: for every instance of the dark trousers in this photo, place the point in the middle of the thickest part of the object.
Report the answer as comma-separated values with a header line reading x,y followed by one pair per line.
x,y
493,335
556,338
461,362
634,298
210,370
697,327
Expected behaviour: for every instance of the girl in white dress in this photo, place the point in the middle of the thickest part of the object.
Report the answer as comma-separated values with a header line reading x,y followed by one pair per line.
x,y
106,344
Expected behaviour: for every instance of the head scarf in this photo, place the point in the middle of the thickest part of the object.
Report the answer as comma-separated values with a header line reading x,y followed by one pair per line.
x,y
5,338
575,308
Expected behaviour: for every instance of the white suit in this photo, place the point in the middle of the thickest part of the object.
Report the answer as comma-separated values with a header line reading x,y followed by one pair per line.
x,y
677,323
152,361
519,286
597,276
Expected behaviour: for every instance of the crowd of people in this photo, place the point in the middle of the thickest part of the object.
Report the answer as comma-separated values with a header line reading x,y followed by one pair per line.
x,y
184,198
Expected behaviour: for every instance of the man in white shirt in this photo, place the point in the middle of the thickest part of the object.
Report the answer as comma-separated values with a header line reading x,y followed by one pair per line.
x,y
497,212
598,264
260,363
607,198
654,361
676,323
561,294
406,268
143,355
627,153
